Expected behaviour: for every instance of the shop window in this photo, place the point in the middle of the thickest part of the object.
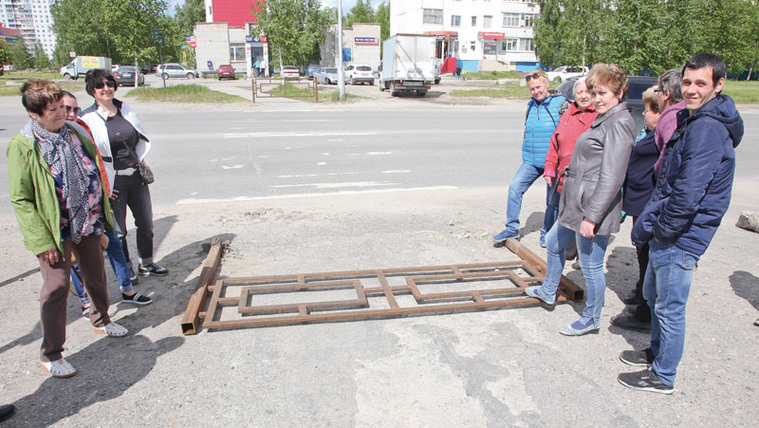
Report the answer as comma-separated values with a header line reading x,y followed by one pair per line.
x,y
237,53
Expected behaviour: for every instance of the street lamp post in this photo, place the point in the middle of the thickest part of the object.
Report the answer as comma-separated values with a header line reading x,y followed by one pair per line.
x,y
340,71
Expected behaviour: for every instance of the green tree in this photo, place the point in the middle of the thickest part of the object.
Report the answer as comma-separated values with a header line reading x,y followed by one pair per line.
x,y
20,56
187,15
295,28
41,60
119,30
571,32
638,39
362,12
383,17
5,56
733,32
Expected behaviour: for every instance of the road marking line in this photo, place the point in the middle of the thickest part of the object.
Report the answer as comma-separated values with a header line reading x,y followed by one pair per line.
x,y
190,201
296,134
334,185
396,171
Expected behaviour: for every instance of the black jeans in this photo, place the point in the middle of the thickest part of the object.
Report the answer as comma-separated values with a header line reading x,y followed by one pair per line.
x,y
136,195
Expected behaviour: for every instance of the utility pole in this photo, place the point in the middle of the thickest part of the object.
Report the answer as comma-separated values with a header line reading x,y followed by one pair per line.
x,y
340,71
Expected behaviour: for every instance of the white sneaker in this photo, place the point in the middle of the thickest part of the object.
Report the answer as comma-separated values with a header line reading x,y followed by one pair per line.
x,y
112,329
59,368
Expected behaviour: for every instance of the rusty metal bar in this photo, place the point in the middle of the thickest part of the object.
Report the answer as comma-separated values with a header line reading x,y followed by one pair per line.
x,y
197,301
358,307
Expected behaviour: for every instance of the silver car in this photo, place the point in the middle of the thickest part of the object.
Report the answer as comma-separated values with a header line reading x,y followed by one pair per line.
x,y
328,75
173,70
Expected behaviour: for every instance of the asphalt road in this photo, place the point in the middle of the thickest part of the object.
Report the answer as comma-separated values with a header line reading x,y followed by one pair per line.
x,y
207,152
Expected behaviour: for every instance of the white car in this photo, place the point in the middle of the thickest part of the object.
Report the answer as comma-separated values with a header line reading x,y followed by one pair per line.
x,y
359,74
290,72
566,71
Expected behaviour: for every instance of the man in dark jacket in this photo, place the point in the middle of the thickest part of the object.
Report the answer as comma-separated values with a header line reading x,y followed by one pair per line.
x,y
692,195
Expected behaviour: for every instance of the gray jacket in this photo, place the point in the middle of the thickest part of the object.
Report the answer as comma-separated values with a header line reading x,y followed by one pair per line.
x,y
593,183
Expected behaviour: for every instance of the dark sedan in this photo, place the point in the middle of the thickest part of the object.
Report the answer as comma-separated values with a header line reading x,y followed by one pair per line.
x,y
638,84
125,75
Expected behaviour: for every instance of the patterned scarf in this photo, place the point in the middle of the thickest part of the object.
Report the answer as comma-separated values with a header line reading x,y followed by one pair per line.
x,y
61,155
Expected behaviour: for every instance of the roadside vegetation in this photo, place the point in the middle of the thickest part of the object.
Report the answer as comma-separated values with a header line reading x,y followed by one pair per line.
x,y
741,92
184,94
10,82
491,75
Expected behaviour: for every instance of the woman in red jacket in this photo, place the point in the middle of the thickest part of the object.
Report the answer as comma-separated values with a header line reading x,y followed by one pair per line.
x,y
576,120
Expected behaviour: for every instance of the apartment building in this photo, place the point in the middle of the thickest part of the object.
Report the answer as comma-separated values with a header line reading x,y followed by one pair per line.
x,y
32,19
481,34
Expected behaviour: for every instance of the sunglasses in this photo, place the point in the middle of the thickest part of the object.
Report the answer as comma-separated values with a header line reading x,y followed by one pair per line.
x,y
111,84
75,109
659,91
532,76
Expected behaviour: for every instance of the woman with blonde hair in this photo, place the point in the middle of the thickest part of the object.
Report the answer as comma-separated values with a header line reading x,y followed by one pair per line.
x,y
591,200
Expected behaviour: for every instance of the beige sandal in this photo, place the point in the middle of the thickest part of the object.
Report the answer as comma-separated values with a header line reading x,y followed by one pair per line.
x,y
59,368
112,329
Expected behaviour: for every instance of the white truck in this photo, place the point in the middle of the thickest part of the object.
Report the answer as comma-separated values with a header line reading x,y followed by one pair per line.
x,y
408,64
80,65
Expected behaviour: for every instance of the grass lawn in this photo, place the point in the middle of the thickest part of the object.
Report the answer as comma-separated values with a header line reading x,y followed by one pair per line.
x,y
184,94
491,75
510,90
11,81
742,92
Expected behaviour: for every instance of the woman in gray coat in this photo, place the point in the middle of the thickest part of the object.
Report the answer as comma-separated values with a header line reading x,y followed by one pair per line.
x,y
591,204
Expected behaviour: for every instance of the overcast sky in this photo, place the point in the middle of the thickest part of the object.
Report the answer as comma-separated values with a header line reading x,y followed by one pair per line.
x,y
347,4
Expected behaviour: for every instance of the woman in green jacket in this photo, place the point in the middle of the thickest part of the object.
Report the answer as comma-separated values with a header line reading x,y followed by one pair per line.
x,y
58,196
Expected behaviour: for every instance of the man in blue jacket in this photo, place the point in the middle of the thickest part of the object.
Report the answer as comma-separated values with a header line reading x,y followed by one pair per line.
x,y
691,196
543,112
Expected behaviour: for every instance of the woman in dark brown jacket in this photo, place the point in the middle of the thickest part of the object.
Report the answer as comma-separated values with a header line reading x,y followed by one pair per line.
x,y
591,202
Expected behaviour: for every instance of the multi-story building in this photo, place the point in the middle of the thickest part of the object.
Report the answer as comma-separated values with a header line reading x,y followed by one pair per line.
x,y
229,36
481,34
33,19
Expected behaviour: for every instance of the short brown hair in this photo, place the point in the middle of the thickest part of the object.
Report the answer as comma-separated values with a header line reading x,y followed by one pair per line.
x,y
36,94
649,99
610,75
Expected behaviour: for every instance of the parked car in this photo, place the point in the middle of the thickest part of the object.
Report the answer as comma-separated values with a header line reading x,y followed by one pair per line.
x,y
359,74
328,75
565,72
312,68
637,85
173,70
124,75
290,72
226,72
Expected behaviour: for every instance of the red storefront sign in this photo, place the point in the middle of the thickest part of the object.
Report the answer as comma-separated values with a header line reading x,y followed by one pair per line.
x,y
492,36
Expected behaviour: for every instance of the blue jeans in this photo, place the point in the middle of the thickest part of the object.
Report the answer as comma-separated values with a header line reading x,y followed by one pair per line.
x,y
522,180
118,263
666,289
591,252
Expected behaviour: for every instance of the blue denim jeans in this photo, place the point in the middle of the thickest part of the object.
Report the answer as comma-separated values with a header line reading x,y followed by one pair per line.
x,y
522,180
591,252
666,288
118,263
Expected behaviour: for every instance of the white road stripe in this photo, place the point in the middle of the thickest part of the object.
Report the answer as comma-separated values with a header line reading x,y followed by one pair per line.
x,y
297,134
335,185
190,201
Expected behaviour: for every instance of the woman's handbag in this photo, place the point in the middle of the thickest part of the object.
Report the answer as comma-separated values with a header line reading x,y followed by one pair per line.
x,y
146,173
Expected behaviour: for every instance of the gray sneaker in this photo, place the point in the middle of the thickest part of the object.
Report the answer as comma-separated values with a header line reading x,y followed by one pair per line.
x,y
642,358
645,380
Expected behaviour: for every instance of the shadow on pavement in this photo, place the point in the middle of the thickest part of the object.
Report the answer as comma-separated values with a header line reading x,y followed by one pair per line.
x,y
746,286
106,369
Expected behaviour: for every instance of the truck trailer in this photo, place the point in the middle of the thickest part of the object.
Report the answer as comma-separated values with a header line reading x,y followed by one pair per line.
x,y
80,65
408,64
